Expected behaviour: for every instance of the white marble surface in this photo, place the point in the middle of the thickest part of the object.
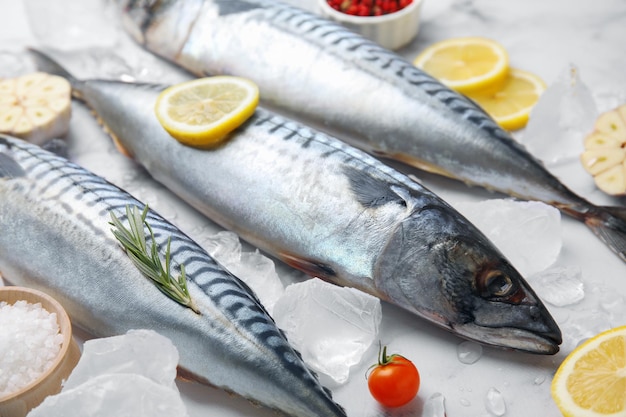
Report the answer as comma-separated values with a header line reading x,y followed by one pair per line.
x,y
541,36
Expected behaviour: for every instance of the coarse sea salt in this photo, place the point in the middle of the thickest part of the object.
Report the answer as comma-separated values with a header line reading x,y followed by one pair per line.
x,y
30,340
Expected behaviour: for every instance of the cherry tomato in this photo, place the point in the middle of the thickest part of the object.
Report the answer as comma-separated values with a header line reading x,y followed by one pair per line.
x,y
394,380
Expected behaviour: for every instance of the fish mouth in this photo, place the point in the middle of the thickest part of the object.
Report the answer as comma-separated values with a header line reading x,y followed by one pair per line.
x,y
543,343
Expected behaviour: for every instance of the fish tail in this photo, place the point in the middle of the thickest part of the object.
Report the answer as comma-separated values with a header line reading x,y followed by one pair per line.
x,y
46,64
609,224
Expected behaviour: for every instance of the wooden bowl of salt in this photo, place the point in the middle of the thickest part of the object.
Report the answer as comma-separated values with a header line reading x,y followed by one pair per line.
x,y
42,355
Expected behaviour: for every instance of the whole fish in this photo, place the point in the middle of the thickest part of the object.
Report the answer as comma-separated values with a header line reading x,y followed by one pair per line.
x,y
313,68
55,236
333,212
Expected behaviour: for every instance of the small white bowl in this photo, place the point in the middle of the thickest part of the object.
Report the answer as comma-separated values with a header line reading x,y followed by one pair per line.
x,y
393,31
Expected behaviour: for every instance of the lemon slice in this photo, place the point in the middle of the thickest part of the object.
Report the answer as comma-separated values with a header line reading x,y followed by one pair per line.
x,y
202,112
467,64
591,381
510,106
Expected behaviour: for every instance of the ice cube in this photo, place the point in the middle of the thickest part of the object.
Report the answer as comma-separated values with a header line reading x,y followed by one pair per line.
x,y
114,395
559,122
560,285
14,64
132,375
608,99
224,246
259,273
71,24
142,352
331,326
528,233
253,268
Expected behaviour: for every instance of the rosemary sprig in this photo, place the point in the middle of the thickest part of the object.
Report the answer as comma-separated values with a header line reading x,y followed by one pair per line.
x,y
147,260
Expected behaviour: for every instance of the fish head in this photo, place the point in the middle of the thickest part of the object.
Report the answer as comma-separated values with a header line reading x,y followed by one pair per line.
x,y
439,266
159,25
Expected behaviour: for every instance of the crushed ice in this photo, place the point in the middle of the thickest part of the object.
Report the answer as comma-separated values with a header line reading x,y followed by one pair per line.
x,y
560,285
256,270
562,117
13,64
331,326
131,375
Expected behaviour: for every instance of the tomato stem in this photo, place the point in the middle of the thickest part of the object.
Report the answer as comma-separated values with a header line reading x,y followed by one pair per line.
x,y
382,359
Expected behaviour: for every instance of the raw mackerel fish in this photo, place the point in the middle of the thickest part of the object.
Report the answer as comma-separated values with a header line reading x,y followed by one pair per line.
x,y
55,236
334,212
319,71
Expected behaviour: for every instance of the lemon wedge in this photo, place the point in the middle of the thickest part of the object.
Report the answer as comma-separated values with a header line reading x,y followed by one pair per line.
x,y
467,65
591,381
605,152
202,112
510,105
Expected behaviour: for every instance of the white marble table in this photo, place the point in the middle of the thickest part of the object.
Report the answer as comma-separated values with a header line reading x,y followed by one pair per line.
x,y
544,37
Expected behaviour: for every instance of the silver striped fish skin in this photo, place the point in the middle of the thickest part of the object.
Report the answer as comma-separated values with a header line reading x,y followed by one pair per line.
x,y
55,235
319,71
334,212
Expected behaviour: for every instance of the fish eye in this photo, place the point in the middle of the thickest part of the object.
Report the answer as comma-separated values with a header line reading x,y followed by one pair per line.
x,y
497,284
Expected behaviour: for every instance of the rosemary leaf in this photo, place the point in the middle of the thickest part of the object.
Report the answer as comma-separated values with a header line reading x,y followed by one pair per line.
x,y
133,240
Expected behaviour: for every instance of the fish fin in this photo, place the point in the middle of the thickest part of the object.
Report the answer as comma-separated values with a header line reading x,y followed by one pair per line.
x,y
315,269
371,191
9,168
46,64
49,65
186,375
116,141
609,224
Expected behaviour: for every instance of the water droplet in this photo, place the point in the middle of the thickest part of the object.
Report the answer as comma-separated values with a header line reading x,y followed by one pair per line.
x,y
434,406
611,302
539,380
465,402
469,352
494,402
